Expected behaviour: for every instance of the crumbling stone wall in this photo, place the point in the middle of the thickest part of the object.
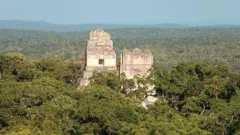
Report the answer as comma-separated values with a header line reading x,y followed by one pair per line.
x,y
99,55
135,62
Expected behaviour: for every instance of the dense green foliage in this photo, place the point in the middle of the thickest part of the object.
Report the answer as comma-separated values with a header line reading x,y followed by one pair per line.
x,y
169,46
197,93
40,97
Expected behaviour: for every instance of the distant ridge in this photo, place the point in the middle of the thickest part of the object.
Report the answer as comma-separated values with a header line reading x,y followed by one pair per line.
x,y
44,26
222,26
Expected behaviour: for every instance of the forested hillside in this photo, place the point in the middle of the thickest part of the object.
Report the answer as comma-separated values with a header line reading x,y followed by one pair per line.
x,y
169,46
195,77
39,97
45,26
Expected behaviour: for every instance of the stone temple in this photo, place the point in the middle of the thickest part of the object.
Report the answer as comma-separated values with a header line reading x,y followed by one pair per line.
x,y
99,55
136,62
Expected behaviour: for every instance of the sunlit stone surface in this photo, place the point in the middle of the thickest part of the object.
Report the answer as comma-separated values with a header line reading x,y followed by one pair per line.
x,y
99,55
136,62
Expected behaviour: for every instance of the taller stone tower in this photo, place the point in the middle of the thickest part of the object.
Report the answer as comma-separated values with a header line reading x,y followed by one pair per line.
x,y
99,55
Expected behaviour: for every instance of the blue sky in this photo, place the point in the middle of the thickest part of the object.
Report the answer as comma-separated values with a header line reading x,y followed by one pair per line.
x,y
194,12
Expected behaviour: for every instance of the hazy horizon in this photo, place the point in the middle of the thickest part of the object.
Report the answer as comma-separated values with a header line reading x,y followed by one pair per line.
x,y
134,12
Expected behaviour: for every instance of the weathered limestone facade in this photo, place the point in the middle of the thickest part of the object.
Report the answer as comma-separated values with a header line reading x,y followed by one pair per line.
x,y
135,62
99,55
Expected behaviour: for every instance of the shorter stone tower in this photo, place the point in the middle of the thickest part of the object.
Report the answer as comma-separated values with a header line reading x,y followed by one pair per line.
x,y
99,55
136,62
